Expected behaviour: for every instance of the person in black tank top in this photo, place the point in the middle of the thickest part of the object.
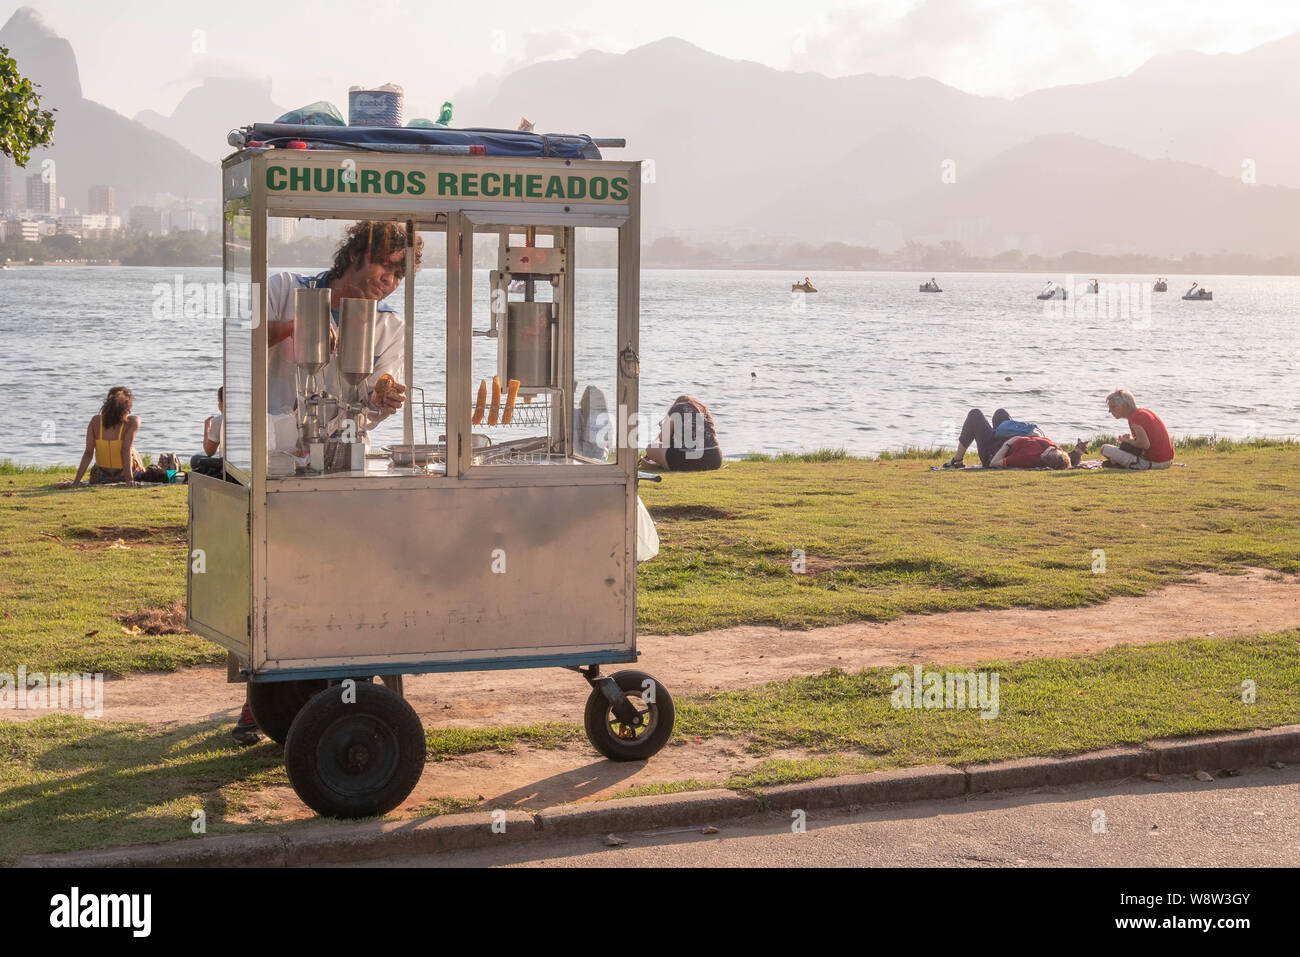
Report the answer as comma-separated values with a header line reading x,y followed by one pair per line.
x,y
688,439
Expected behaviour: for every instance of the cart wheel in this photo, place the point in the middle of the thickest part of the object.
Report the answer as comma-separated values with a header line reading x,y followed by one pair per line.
x,y
276,703
621,742
358,758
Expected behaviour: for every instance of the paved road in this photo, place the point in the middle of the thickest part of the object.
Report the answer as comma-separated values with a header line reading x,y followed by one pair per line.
x,y
1247,821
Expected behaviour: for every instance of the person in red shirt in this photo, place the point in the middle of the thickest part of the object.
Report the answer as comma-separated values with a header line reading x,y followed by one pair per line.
x,y
1030,452
1147,445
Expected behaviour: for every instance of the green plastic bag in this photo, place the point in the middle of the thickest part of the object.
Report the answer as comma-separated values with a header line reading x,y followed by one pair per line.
x,y
320,113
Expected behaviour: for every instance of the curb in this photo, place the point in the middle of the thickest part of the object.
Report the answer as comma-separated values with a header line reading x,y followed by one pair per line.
x,y
349,843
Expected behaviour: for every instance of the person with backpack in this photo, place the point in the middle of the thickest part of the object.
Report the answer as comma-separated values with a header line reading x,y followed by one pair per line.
x,y
989,436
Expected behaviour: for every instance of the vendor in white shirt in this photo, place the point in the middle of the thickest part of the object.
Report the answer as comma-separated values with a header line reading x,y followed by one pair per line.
x,y
369,264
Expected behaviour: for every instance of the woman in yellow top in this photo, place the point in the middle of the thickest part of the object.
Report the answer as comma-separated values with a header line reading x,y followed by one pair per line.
x,y
110,439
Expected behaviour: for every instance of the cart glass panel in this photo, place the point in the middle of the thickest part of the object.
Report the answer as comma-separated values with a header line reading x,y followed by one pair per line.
x,y
337,378
543,371
239,302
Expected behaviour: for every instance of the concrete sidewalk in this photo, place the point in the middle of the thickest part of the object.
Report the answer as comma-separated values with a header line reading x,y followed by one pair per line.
x,y
342,842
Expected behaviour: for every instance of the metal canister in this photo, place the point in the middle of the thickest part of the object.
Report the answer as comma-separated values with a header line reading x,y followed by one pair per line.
x,y
357,320
528,343
311,328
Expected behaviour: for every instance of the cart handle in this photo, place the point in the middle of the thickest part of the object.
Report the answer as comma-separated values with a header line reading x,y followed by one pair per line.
x,y
649,476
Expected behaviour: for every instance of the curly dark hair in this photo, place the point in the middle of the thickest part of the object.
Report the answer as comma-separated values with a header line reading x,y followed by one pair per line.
x,y
370,239
116,407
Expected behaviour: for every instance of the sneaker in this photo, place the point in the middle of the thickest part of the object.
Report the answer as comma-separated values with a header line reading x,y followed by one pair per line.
x,y
246,732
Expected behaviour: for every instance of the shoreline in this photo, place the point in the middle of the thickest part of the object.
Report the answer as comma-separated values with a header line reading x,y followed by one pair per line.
x,y
1169,270
9,466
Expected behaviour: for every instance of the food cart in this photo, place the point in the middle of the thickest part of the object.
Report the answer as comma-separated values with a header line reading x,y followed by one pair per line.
x,y
330,564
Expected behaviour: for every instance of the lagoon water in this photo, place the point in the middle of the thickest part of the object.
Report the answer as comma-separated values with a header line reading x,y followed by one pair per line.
x,y
868,363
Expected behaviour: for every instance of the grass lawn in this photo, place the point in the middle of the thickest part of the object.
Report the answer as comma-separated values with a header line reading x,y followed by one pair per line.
x,y
70,783
879,539
884,538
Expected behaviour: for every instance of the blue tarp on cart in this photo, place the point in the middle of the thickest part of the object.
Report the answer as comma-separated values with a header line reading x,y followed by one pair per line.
x,y
494,142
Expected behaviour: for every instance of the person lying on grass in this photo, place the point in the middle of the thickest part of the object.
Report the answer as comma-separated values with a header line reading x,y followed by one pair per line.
x,y
992,438
1030,452
988,436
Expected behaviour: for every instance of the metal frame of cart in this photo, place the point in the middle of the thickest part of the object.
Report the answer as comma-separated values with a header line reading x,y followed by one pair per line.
x,y
318,584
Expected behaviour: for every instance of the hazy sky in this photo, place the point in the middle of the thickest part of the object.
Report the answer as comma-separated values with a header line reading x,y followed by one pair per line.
x,y
138,54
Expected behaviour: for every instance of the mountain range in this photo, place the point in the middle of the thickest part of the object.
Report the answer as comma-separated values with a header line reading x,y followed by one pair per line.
x,y
1187,154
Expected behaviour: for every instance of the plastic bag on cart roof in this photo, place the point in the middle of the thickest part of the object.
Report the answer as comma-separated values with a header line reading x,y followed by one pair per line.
x,y
647,539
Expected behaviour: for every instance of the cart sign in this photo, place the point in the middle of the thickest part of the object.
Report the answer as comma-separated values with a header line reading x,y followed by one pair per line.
x,y
498,183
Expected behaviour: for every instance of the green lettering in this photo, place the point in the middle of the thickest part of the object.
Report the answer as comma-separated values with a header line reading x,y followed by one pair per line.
x,y
415,182
370,181
577,187
555,188
493,190
273,181
599,187
446,184
322,180
512,184
469,184
394,181
299,179
534,185
618,188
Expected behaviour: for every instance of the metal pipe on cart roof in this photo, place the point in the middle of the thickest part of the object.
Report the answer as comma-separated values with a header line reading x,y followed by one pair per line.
x,y
530,240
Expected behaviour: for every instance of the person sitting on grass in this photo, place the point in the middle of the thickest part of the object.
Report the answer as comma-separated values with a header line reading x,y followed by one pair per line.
x,y
209,462
110,440
1146,446
688,440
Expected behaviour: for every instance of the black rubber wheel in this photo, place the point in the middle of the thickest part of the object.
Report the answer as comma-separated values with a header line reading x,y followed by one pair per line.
x,y
620,742
276,703
355,759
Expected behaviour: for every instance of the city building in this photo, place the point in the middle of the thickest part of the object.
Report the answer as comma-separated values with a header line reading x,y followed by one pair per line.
x,y
101,201
8,173
42,194
148,218
88,225
26,231
185,219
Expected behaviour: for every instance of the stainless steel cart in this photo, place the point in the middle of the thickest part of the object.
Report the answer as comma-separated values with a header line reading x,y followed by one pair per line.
x,y
472,554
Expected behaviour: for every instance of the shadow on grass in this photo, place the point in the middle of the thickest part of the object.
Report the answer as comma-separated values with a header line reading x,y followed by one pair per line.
x,y
85,785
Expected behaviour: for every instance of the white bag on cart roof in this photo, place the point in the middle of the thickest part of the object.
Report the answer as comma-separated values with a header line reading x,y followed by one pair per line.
x,y
647,539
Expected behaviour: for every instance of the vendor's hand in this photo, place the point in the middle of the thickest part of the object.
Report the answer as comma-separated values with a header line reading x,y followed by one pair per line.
x,y
389,395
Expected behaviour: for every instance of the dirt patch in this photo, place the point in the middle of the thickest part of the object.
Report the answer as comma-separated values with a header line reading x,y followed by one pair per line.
x,y
158,621
690,512
1221,606
128,533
